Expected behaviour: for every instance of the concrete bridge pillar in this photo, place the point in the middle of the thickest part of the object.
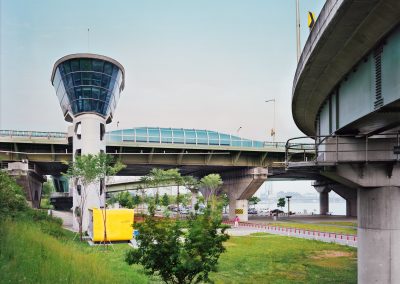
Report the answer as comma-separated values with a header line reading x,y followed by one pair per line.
x,y
323,188
324,203
240,186
379,235
378,218
30,180
350,195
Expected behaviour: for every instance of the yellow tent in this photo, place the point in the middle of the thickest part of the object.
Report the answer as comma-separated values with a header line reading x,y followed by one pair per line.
x,y
119,224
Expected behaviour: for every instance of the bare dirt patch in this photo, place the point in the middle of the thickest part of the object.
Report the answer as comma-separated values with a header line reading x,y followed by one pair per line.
x,y
331,254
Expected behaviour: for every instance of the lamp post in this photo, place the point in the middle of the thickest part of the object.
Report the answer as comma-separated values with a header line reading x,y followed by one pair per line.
x,y
237,131
273,123
288,204
298,30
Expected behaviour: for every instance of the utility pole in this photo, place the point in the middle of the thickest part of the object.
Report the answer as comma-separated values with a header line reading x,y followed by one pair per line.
x,y
298,29
288,204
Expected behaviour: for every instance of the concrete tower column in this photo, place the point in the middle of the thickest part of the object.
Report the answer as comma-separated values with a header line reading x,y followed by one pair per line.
x,y
89,102
88,138
379,235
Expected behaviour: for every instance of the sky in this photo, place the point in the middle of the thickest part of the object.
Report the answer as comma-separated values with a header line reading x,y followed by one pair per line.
x,y
189,64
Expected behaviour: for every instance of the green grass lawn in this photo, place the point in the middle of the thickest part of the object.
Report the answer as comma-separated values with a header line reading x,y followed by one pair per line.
x,y
30,255
322,227
264,258
340,223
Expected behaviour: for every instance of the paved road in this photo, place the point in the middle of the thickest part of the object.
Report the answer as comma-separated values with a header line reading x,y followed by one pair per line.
x,y
249,228
66,216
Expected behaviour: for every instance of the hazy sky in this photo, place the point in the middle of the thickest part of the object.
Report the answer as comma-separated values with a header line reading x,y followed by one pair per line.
x,y
205,64
191,64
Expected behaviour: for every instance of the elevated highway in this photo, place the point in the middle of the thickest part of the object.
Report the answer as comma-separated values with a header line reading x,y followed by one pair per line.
x,y
346,97
50,151
243,164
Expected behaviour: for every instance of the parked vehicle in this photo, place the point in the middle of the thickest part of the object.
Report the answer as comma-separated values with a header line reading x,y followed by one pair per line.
x,y
252,211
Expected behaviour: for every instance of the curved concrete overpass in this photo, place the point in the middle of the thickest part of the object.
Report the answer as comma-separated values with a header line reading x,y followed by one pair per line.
x,y
344,33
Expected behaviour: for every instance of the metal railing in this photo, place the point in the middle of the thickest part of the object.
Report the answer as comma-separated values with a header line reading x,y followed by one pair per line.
x,y
328,149
159,139
232,141
32,134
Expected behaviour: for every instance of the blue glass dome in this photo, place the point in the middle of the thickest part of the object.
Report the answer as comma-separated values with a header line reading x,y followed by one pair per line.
x,y
88,83
180,136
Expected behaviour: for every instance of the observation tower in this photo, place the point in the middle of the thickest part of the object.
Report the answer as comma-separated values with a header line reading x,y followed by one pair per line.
x,y
88,87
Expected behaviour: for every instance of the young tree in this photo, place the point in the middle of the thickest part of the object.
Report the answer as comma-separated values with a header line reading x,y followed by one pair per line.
x,y
84,172
175,176
224,201
254,200
107,168
124,199
211,183
91,169
192,184
281,202
165,250
48,188
137,200
165,200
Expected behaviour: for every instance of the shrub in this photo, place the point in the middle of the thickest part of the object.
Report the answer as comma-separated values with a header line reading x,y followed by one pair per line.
x,y
178,256
12,199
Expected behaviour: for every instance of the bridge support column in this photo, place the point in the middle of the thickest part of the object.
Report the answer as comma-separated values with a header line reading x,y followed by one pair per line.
x,y
351,207
324,203
30,180
378,218
240,186
323,188
350,195
239,207
379,235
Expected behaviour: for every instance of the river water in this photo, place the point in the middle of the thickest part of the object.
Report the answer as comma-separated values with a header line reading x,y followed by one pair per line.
x,y
305,207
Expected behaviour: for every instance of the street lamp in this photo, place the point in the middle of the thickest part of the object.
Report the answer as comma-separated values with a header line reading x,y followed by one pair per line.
x,y
298,30
237,131
273,125
288,204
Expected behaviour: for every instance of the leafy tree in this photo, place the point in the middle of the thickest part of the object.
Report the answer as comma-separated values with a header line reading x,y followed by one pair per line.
x,y
12,198
90,169
281,202
48,188
137,200
165,249
107,168
254,200
211,183
165,200
125,199
175,176
84,170
224,201
192,184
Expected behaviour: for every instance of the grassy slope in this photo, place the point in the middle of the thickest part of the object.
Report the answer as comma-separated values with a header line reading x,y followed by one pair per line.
x,y
28,255
263,258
